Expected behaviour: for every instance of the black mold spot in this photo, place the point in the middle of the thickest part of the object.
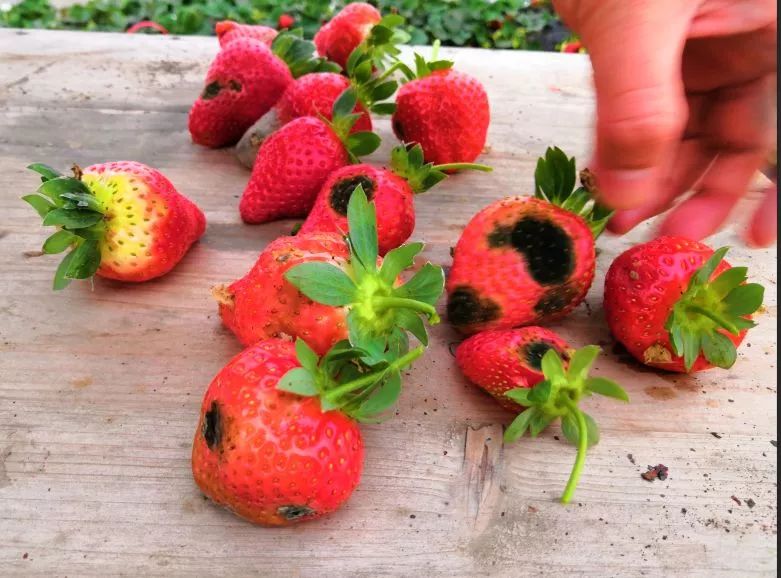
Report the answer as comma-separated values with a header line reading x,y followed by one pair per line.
x,y
212,426
212,89
465,307
555,300
546,247
294,512
343,190
534,351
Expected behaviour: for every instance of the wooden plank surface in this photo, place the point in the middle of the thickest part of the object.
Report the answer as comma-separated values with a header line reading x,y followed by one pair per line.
x,y
100,388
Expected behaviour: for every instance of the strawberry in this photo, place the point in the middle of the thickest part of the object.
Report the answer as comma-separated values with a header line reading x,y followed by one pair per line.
x,y
527,260
285,21
228,30
556,397
120,220
345,31
277,441
675,304
323,289
245,80
444,110
391,190
501,360
294,162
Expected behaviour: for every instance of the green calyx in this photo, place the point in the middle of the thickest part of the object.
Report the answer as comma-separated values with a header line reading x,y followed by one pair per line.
x,y
68,204
299,54
557,397
344,382
407,162
708,308
554,182
380,310
343,119
425,67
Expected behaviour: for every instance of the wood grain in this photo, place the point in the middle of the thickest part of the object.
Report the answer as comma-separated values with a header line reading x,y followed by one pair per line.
x,y
101,387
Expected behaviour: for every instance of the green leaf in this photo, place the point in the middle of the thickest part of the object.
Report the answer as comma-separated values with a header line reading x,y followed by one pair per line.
x,y
59,242
56,187
384,108
740,323
392,20
306,356
84,200
299,381
345,104
384,90
399,259
705,272
398,344
384,398
581,361
676,337
60,280
45,171
426,285
555,176
606,387
363,143
519,395
85,261
728,280
519,425
691,346
745,299
71,218
539,422
412,322
592,429
362,338
552,367
719,350
362,223
322,282
41,204
569,427
540,393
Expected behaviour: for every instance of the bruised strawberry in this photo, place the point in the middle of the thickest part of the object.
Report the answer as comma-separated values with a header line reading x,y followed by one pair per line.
x,y
501,360
345,31
245,80
120,220
277,441
527,260
228,30
294,162
322,288
675,304
392,191
443,110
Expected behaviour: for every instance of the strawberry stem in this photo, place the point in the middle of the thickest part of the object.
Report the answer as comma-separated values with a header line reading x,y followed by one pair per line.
x,y
713,316
580,460
462,167
385,303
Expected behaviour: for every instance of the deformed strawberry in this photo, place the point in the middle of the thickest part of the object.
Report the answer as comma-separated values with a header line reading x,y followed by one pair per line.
x,y
120,220
228,30
392,191
675,304
527,260
505,359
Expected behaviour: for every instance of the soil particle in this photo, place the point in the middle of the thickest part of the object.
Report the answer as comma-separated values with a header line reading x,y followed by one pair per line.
x,y
658,472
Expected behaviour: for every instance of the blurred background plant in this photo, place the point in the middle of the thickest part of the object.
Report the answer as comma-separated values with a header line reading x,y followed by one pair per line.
x,y
521,24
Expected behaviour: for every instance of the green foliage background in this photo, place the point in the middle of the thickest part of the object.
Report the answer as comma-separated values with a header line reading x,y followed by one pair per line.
x,y
527,24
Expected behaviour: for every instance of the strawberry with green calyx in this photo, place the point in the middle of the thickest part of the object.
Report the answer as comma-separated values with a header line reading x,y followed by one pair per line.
x,y
392,191
443,110
119,220
527,260
379,307
294,162
677,305
557,397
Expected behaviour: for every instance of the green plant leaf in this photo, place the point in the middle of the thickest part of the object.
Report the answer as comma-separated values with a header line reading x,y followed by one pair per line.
x,y
362,223
399,259
384,90
539,422
569,427
71,218
592,429
410,321
745,299
54,188
299,381
719,350
519,395
363,143
322,282
384,108
84,201
691,346
728,280
373,346
384,398
606,387
581,361
552,367
45,171
519,425
306,356
60,280
41,204
705,272
426,285
540,393
59,242
555,175
345,104
85,261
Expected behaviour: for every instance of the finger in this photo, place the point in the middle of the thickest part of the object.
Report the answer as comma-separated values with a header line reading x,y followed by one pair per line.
x,y
742,117
718,192
763,229
641,107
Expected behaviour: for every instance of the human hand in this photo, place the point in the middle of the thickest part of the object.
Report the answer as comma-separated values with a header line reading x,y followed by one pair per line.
x,y
685,100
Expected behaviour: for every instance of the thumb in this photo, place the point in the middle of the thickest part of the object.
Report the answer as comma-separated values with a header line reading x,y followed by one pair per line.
x,y
636,50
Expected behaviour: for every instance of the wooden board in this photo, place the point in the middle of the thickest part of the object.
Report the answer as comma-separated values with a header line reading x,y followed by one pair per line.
x,y
101,387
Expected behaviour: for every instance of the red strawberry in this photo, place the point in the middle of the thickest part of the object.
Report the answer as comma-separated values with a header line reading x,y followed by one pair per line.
x,y
285,21
318,288
276,442
228,30
502,360
121,220
391,190
345,31
245,80
526,260
294,162
444,110
676,305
